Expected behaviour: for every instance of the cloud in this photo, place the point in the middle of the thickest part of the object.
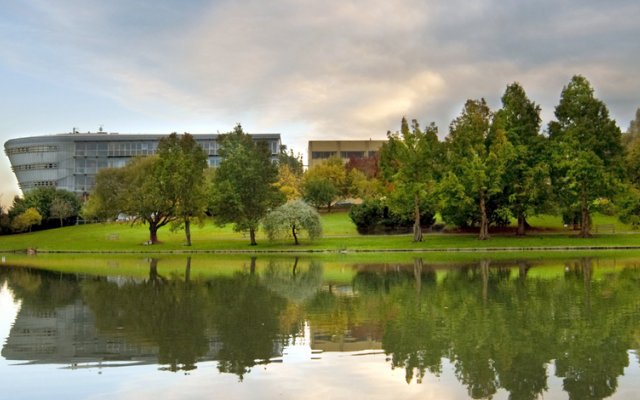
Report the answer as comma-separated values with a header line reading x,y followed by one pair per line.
x,y
329,69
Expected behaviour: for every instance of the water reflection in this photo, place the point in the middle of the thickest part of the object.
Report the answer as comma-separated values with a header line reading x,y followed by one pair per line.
x,y
497,325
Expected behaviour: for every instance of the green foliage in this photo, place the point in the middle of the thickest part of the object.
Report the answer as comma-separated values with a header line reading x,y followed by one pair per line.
x,y
587,151
477,154
244,186
326,183
291,160
61,209
25,220
409,161
42,199
290,219
319,192
139,190
181,166
526,189
374,216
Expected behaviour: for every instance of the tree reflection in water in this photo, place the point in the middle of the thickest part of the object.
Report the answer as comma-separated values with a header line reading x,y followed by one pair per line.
x,y
498,326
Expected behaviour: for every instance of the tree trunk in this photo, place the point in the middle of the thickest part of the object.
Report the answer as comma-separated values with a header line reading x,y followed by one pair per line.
x,y
293,232
417,229
484,271
295,267
522,224
252,266
484,221
153,233
417,274
187,230
585,227
187,271
252,236
61,222
153,270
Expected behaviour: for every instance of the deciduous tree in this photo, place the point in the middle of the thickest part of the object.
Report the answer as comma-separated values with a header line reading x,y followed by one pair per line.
x,y
291,219
181,166
409,161
244,186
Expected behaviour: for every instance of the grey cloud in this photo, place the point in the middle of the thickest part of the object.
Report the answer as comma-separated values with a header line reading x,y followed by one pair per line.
x,y
346,69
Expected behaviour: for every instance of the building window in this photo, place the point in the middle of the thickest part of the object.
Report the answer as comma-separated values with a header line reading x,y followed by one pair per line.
x,y
29,167
31,149
352,154
321,155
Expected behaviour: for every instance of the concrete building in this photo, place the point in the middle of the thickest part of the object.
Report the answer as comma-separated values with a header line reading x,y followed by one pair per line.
x,y
321,150
71,161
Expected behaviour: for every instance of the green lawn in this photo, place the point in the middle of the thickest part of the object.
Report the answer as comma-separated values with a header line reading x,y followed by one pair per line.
x,y
339,236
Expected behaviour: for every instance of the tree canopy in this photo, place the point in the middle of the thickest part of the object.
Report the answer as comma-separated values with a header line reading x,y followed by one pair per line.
x,y
244,185
409,161
586,151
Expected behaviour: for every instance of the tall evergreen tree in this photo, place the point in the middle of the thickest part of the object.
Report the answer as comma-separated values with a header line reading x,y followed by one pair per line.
x,y
527,174
477,153
244,189
587,151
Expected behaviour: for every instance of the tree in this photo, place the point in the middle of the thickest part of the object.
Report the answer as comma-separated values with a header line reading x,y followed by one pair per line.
x,y
477,154
319,192
527,173
26,220
587,151
409,161
244,187
289,182
61,209
181,166
137,190
325,183
42,199
633,132
292,218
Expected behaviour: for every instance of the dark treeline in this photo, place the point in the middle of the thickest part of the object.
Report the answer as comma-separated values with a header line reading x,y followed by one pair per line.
x,y
497,326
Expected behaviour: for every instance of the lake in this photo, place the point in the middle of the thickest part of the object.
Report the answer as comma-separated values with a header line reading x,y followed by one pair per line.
x,y
335,327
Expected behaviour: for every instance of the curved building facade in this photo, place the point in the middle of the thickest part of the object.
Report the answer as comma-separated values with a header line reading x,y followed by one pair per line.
x,y
71,161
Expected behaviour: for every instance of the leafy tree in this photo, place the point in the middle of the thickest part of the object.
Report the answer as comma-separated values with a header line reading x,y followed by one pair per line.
x,y
325,183
291,160
137,190
292,218
42,199
319,192
587,151
409,161
527,173
244,187
61,209
478,155
289,182
633,132
181,166
26,220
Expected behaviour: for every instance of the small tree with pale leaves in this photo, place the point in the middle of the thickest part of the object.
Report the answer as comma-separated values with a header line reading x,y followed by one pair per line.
x,y
290,219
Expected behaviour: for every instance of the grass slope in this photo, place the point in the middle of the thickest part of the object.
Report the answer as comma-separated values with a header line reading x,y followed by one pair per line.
x,y
340,236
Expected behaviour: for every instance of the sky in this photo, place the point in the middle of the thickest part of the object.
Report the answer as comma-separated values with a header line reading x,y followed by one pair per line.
x,y
309,70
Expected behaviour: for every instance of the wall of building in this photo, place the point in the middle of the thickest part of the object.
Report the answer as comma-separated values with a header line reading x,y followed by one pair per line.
x,y
321,150
71,161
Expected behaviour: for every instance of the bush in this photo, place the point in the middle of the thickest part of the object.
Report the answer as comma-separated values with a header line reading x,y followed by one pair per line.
x,y
374,216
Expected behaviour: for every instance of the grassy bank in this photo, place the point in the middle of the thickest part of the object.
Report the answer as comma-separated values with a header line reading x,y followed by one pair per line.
x,y
340,236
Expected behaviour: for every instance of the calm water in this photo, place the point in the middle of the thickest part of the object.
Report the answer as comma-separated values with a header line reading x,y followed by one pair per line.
x,y
308,328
